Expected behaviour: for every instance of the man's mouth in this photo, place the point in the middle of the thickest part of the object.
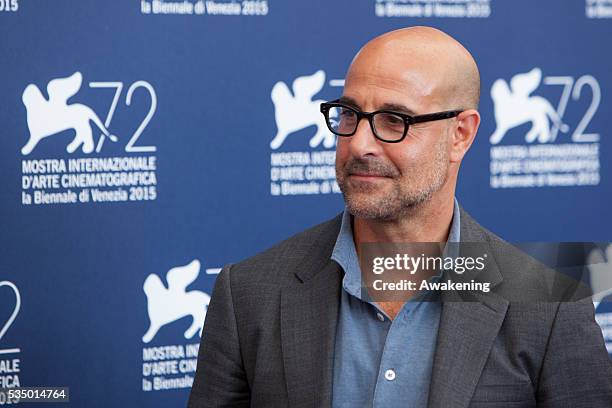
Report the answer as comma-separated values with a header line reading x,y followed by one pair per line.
x,y
366,176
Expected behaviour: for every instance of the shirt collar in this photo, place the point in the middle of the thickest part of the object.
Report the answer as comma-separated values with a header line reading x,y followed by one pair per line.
x,y
345,253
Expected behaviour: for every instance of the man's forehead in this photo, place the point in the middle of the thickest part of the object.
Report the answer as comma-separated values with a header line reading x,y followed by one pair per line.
x,y
378,87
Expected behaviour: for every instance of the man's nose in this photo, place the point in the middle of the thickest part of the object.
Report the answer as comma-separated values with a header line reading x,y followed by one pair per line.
x,y
363,142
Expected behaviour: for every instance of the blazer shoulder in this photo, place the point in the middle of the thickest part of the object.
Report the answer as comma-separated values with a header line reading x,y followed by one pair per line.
x,y
526,278
279,262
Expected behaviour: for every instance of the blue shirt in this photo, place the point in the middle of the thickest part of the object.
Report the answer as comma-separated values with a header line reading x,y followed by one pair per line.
x,y
379,362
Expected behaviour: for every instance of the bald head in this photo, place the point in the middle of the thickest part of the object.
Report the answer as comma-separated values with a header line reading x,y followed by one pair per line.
x,y
428,61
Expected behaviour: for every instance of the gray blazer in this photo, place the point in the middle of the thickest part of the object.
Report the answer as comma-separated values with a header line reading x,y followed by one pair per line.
x,y
269,335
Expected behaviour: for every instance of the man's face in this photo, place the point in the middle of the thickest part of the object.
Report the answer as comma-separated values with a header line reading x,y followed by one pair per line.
x,y
382,180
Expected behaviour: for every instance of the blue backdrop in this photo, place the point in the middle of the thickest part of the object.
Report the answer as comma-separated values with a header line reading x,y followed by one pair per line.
x,y
145,144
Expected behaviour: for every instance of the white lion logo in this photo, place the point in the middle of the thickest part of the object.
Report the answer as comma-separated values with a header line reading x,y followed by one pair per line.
x,y
48,117
297,111
514,106
171,304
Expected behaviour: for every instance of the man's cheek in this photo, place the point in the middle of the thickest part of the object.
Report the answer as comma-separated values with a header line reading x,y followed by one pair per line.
x,y
342,155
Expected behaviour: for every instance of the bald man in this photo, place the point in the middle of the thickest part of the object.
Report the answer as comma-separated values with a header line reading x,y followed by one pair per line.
x,y
293,326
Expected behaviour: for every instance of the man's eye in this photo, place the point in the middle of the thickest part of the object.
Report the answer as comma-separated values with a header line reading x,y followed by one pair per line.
x,y
392,120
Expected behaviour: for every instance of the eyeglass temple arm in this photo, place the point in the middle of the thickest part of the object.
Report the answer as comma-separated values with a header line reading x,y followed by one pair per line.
x,y
434,116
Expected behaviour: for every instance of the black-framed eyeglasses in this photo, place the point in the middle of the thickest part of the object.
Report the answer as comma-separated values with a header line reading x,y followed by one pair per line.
x,y
387,126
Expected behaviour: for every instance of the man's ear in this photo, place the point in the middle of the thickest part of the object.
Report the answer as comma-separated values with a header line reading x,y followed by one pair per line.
x,y
464,131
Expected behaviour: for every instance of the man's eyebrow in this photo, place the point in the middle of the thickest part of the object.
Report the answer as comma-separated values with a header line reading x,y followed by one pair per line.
x,y
349,101
395,107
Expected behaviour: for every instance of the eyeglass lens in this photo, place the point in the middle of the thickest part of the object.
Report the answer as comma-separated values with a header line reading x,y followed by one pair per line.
x,y
343,121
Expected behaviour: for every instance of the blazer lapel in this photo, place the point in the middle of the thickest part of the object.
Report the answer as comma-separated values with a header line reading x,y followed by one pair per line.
x,y
465,337
309,315
467,331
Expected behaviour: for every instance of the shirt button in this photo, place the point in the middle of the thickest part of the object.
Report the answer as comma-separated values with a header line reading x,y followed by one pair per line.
x,y
390,375
380,316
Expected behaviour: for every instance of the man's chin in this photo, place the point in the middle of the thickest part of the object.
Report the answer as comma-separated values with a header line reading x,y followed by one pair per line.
x,y
369,207
371,213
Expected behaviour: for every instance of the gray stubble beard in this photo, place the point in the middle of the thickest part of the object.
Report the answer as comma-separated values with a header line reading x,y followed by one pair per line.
x,y
397,203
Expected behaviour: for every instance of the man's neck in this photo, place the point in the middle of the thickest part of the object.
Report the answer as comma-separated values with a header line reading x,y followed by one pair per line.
x,y
427,223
